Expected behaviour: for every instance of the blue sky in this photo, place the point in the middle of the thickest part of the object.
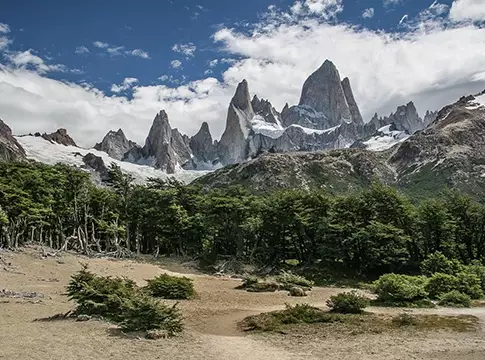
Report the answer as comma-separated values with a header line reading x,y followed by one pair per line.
x,y
119,62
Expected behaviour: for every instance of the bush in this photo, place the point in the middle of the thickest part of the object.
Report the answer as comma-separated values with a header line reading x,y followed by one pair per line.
x,y
249,281
97,295
456,299
440,284
119,300
469,284
288,280
348,303
439,263
171,287
478,270
400,288
143,313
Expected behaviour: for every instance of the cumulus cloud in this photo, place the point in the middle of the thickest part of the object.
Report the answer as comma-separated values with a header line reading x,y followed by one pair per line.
x,y
467,10
368,13
115,50
188,50
176,64
432,65
127,84
326,9
4,28
82,50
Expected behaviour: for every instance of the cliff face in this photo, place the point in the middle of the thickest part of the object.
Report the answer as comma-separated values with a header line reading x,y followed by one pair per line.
x,y
10,149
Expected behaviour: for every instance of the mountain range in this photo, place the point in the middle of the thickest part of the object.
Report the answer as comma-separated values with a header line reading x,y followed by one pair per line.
x,y
259,140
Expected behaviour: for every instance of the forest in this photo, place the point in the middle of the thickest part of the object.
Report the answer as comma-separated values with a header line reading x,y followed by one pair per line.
x,y
362,234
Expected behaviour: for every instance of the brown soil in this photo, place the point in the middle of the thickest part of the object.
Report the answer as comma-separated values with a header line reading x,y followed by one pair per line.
x,y
211,322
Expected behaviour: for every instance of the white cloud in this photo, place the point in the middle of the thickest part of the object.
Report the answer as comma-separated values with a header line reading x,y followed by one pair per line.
x,y
368,13
208,72
188,50
176,64
468,10
28,60
115,50
213,63
325,9
432,66
100,44
403,19
140,53
4,42
82,50
4,28
127,84
388,3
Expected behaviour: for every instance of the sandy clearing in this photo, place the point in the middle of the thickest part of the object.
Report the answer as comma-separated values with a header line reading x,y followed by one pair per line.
x,y
211,322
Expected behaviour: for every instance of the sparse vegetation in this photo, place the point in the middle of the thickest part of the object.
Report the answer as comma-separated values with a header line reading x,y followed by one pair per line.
x,y
348,303
171,287
405,319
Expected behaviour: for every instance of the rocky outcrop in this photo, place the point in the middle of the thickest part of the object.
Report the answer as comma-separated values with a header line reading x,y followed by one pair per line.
x,y
335,170
96,164
232,147
10,149
115,144
61,137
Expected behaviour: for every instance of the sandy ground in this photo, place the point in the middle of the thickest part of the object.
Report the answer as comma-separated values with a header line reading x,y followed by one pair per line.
x,y
211,330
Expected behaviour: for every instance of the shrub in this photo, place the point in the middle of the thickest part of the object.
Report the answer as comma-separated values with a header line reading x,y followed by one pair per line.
x,y
439,263
348,303
171,287
263,287
405,319
400,288
249,281
119,300
288,280
97,295
440,284
469,284
455,298
144,313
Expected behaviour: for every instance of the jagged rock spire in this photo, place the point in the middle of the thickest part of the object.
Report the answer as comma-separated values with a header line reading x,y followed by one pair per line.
x,y
233,146
61,137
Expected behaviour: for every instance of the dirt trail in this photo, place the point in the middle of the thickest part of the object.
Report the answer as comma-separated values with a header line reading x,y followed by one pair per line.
x,y
211,322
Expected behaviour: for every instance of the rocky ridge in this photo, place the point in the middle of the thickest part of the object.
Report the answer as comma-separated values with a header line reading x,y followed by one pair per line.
x,y
449,153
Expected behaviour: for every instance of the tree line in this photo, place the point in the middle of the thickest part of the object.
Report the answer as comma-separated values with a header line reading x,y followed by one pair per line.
x,y
365,233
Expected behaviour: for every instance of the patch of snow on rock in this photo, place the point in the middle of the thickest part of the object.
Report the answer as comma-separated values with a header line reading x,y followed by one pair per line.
x,y
46,152
386,139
